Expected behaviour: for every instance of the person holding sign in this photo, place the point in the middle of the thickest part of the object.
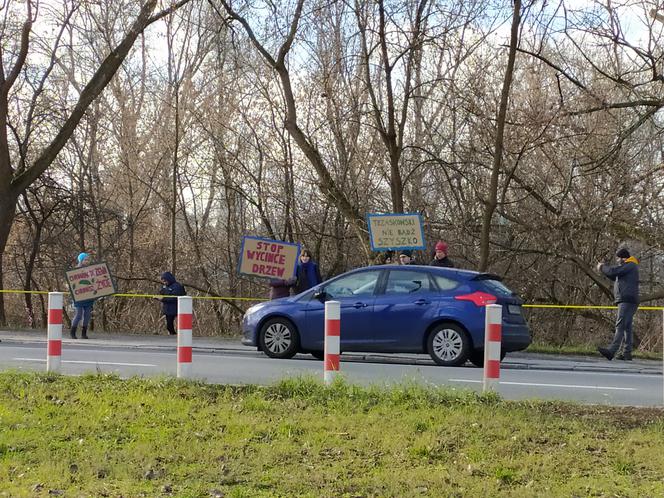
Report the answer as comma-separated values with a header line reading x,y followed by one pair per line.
x,y
83,308
169,305
406,257
440,257
307,273
280,288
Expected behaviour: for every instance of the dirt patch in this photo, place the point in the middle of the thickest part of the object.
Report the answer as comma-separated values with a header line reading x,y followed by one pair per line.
x,y
624,417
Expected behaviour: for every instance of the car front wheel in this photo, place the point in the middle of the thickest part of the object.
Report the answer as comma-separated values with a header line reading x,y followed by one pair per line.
x,y
279,339
449,345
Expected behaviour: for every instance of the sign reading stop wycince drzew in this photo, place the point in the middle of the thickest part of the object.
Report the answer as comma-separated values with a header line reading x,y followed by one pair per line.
x,y
268,258
90,282
395,231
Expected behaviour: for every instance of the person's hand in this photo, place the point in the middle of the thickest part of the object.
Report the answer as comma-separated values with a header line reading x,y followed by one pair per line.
x,y
599,267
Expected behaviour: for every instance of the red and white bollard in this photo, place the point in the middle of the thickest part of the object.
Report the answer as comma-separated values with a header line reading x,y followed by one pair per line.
x,y
332,340
54,332
185,323
492,338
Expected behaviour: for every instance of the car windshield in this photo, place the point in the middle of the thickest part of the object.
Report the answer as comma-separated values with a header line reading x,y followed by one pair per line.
x,y
357,284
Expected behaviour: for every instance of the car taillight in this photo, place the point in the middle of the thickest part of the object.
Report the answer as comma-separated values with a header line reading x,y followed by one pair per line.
x,y
478,298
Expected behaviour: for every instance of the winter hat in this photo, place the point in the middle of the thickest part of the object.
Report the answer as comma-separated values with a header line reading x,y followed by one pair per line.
x,y
168,277
441,246
82,256
405,252
622,253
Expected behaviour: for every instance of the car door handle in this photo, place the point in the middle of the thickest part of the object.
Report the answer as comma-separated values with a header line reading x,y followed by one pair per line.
x,y
420,302
360,305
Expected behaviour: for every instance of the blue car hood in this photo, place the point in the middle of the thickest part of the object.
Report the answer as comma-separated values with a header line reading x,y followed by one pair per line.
x,y
271,304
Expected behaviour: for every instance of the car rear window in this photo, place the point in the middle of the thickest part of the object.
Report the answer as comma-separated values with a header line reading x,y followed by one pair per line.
x,y
445,283
498,287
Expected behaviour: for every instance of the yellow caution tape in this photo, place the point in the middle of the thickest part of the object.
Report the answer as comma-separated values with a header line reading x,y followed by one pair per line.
x,y
568,306
196,297
13,291
586,307
228,298
221,298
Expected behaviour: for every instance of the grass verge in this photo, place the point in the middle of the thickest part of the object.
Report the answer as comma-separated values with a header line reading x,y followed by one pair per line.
x,y
103,436
585,350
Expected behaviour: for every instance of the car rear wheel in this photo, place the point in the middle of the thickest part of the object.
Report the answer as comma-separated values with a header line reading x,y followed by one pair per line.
x,y
279,339
477,357
449,345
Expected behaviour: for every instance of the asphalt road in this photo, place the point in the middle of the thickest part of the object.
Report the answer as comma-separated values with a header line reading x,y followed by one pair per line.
x,y
523,376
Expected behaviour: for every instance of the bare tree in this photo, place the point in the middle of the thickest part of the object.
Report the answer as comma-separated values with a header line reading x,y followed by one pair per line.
x,y
279,64
17,175
501,118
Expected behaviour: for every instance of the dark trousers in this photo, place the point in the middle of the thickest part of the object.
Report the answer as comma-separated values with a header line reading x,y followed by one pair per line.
x,y
170,323
624,333
82,313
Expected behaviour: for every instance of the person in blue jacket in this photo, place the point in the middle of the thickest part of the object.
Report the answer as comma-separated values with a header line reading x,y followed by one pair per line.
x,y
83,308
625,276
169,305
307,273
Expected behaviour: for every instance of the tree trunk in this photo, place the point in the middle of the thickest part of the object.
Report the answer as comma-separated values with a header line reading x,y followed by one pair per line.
x,y
8,202
174,182
492,199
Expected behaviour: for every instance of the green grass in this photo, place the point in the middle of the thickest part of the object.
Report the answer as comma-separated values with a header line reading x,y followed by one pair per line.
x,y
585,350
103,436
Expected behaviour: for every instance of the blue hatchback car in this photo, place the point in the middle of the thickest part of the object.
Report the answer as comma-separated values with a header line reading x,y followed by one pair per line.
x,y
392,309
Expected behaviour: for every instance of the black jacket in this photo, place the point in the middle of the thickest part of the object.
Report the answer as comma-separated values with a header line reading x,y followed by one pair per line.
x,y
445,262
169,305
625,280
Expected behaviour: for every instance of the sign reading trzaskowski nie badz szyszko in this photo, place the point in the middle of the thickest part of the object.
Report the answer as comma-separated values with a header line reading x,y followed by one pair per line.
x,y
395,231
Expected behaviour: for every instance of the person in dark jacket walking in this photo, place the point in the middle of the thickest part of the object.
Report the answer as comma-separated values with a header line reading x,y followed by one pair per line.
x,y
83,308
169,305
307,273
440,257
625,276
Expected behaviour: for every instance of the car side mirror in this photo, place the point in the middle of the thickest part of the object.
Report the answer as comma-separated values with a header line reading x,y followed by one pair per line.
x,y
321,295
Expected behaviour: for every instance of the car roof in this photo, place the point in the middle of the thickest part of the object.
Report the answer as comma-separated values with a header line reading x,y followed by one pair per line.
x,y
458,273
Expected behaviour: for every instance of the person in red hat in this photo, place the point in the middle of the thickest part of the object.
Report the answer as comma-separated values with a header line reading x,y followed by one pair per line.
x,y
440,257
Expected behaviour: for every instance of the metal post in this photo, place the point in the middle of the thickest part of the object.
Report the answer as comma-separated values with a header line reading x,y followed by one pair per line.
x,y
54,332
185,324
492,339
332,341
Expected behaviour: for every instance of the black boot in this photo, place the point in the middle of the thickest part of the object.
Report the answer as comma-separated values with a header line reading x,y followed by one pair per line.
x,y
72,333
84,333
606,353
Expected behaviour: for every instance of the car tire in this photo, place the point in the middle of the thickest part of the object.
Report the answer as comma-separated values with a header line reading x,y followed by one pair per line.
x,y
448,345
319,355
476,357
279,338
